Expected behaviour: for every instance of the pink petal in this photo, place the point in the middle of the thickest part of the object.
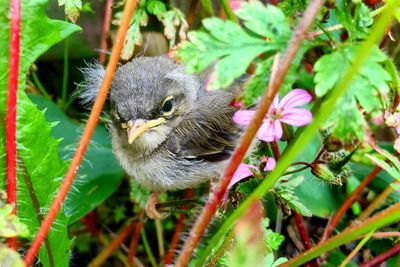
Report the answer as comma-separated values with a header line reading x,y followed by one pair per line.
x,y
243,171
269,163
269,132
278,130
296,116
295,98
235,4
275,103
265,133
243,117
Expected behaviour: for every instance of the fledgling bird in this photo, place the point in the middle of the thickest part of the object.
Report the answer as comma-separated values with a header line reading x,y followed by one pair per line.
x,y
167,130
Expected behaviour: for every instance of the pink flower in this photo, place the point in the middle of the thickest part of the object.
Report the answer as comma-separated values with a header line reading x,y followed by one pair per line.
x,y
235,4
244,170
285,111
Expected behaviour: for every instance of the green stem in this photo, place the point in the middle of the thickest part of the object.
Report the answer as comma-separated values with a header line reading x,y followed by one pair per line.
x,y
357,248
40,86
228,10
148,249
160,239
302,139
386,217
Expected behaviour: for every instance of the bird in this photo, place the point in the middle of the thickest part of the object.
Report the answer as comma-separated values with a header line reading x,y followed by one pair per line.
x,y
167,130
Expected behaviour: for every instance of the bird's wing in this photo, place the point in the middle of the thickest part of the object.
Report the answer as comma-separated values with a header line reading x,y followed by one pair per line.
x,y
207,132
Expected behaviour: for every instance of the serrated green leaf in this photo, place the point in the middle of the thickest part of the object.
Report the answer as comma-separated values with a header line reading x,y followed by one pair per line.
x,y
133,35
155,7
234,47
357,24
365,89
264,20
95,181
72,8
37,150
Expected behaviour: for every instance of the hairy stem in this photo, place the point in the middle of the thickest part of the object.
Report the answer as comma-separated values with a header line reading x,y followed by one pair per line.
x,y
11,115
348,202
91,124
106,30
217,194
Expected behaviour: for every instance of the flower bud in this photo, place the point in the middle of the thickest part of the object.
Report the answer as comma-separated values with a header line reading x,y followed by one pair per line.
x,y
324,173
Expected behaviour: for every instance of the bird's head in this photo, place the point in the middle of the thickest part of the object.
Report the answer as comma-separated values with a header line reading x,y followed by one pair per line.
x,y
149,97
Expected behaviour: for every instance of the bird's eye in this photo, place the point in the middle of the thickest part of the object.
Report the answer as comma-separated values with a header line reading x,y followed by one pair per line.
x,y
167,105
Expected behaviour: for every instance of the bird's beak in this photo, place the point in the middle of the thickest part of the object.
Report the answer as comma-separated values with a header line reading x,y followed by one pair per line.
x,y
138,127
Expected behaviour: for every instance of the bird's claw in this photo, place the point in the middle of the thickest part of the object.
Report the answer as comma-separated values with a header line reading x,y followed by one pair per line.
x,y
151,209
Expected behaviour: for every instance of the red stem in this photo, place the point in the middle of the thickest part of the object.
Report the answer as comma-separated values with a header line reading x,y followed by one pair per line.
x,y
134,243
11,116
347,204
106,30
90,125
297,217
192,12
114,244
178,228
382,257
304,236
219,191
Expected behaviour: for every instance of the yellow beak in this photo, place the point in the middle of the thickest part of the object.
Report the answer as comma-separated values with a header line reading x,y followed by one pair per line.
x,y
138,127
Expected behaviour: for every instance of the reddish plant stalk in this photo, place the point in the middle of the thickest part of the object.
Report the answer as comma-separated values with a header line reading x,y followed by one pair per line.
x,y
83,143
348,202
219,191
382,257
11,116
106,31
297,217
192,12
178,228
134,243
114,244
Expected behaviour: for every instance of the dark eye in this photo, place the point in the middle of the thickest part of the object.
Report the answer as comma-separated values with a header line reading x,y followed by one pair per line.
x,y
168,105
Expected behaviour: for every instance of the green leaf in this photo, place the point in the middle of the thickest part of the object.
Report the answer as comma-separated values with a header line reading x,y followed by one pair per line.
x,y
366,87
37,150
133,35
357,23
265,20
234,48
155,7
95,180
285,190
72,8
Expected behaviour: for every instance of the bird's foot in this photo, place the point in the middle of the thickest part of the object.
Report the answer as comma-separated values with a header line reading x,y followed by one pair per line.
x,y
150,208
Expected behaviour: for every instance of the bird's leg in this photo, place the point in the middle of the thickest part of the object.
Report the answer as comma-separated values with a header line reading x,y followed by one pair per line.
x,y
150,208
